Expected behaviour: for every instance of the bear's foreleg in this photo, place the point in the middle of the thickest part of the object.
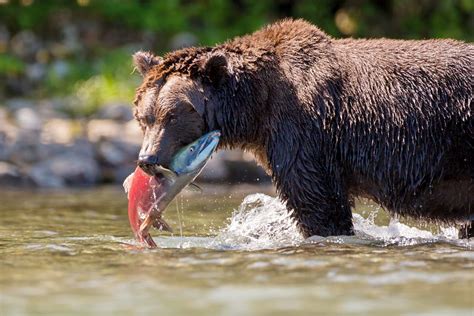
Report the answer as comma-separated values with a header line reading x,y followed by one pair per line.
x,y
316,197
467,230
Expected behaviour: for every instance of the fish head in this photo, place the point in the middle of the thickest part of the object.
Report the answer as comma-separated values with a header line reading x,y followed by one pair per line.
x,y
193,157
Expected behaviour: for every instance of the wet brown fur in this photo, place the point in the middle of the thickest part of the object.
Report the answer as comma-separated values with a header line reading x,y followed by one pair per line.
x,y
331,119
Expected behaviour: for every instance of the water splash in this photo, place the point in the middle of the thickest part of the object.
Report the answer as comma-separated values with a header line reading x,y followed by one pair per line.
x,y
262,222
395,233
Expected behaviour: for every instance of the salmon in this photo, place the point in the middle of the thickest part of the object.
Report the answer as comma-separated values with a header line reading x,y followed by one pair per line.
x,y
148,196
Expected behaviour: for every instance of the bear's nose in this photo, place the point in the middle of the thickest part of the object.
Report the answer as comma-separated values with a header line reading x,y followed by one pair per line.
x,y
147,159
146,162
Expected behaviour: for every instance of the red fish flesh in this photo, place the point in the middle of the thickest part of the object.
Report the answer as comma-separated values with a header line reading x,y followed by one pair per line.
x,y
144,193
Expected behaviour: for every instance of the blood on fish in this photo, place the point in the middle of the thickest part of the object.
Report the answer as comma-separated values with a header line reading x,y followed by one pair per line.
x,y
143,193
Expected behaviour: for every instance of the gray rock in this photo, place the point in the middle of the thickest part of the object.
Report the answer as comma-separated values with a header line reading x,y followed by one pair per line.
x,y
3,146
120,174
5,124
8,169
28,119
133,133
117,112
25,44
111,154
71,37
57,131
129,132
35,72
117,159
98,130
44,177
60,68
51,108
117,174
4,35
15,104
27,148
82,147
8,134
3,114
10,176
115,153
76,167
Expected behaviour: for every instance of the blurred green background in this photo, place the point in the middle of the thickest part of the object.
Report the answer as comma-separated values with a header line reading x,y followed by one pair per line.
x,y
67,81
87,43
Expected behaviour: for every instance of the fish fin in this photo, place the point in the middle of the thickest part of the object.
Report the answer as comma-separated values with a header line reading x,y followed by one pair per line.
x,y
168,173
194,187
160,224
128,182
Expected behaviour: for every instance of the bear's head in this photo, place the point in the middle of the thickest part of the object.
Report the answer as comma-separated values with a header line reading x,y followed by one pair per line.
x,y
170,104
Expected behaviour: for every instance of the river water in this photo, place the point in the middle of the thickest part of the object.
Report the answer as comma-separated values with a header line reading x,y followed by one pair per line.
x,y
72,253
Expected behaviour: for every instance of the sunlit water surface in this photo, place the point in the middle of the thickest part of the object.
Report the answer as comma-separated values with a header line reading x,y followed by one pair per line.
x,y
69,253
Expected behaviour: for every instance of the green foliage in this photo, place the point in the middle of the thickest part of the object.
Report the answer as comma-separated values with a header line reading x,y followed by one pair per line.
x,y
115,65
113,82
110,30
10,65
216,20
91,94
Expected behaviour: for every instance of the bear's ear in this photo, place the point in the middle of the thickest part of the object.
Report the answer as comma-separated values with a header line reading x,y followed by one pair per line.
x,y
215,68
144,61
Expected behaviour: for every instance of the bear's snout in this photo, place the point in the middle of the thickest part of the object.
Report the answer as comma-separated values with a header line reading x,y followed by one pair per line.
x,y
147,163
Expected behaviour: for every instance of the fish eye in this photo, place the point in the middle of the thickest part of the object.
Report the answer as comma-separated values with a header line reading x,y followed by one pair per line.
x,y
191,149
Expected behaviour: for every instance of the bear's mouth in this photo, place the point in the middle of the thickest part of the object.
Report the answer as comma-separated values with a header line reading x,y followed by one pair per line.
x,y
149,164
150,169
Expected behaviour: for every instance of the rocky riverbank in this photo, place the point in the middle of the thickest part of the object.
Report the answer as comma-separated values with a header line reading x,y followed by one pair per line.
x,y
41,147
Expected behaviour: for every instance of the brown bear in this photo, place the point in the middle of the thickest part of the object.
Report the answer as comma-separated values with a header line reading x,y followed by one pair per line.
x,y
329,119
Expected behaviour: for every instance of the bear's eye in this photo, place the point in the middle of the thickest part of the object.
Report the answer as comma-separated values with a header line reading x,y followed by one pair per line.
x,y
150,119
173,120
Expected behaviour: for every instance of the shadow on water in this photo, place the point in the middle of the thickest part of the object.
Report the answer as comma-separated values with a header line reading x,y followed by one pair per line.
x,y
73,253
